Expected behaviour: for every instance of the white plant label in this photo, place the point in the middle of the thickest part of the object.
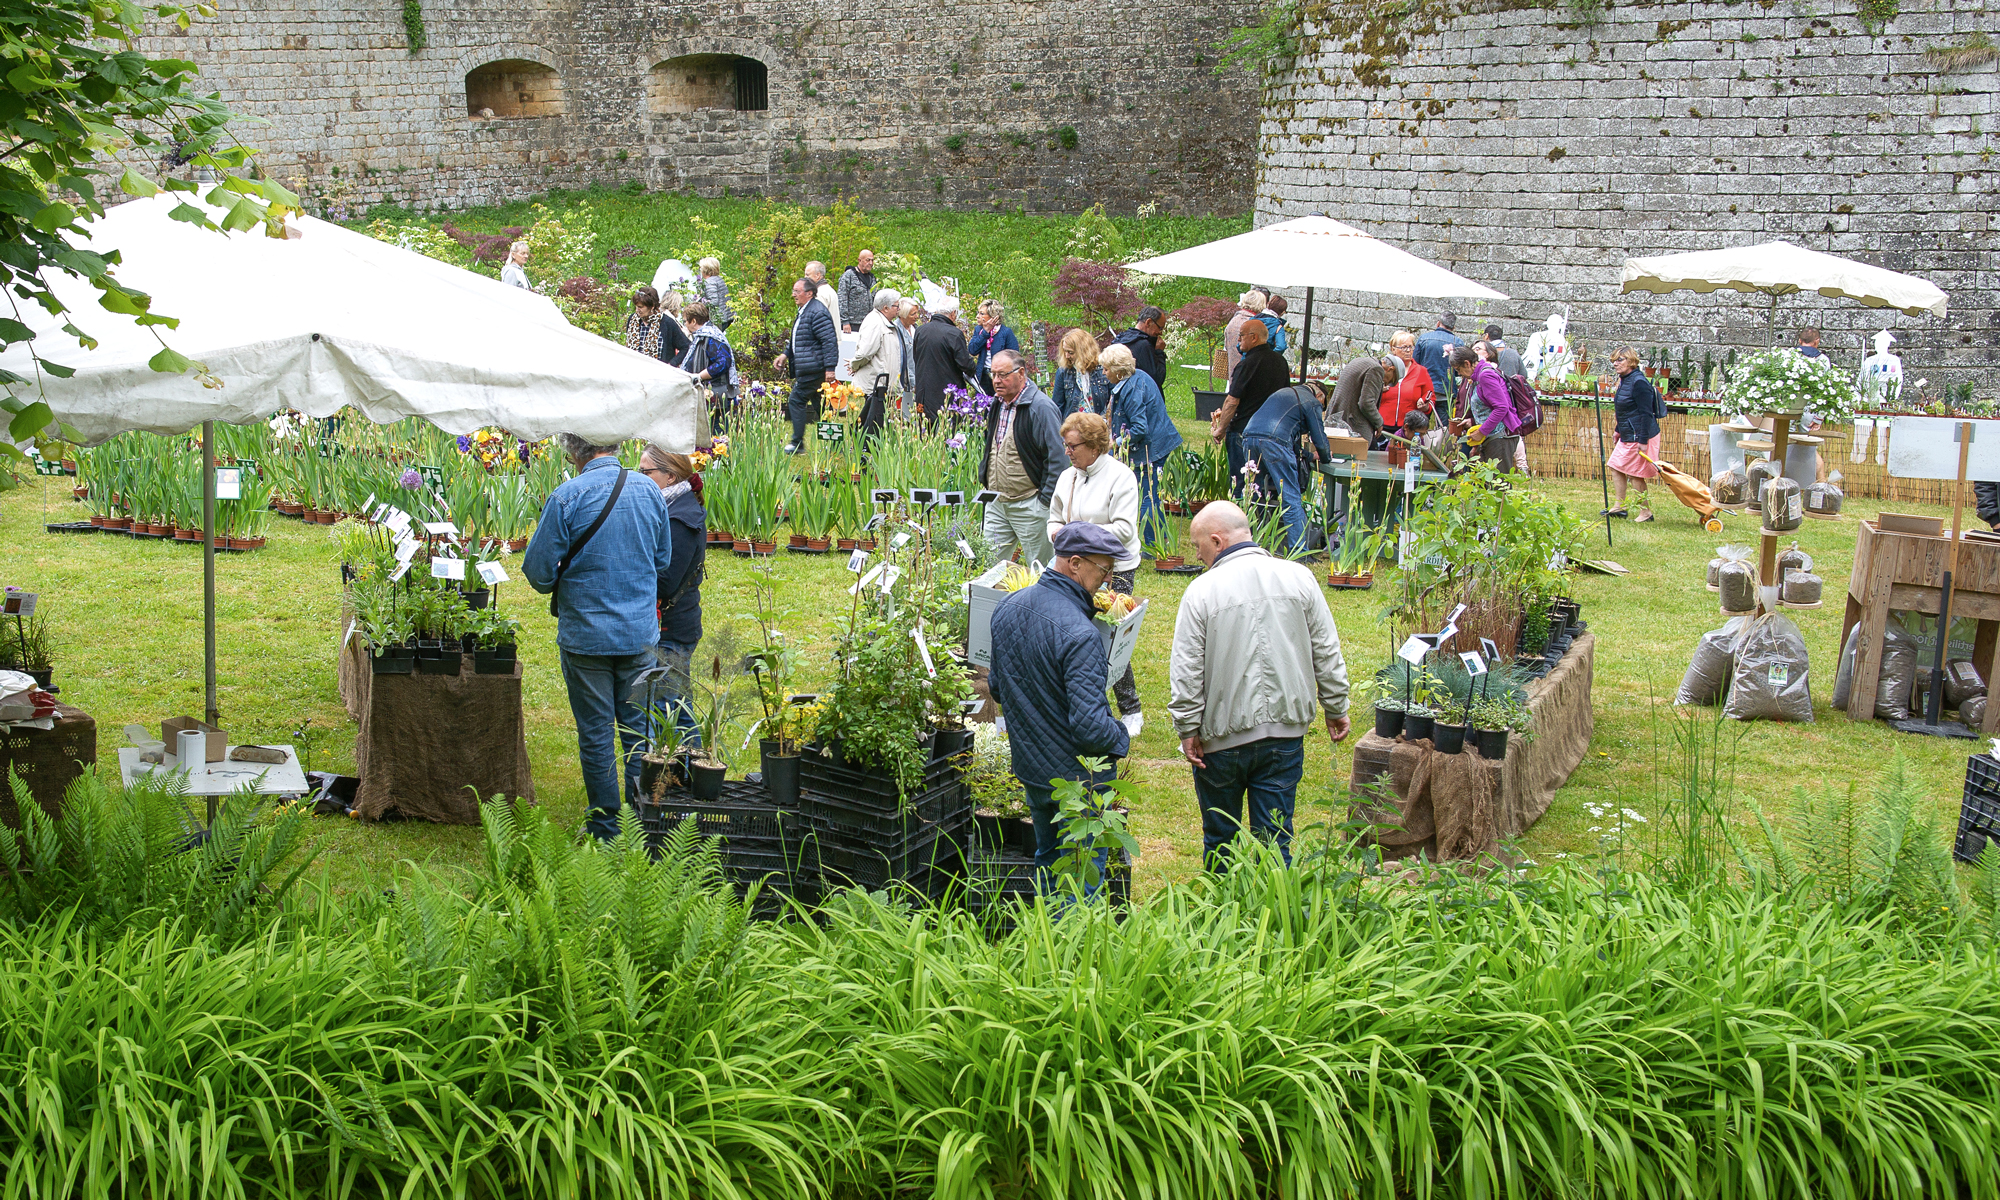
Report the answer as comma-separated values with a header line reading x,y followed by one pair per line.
x,y
899,541
923,496
447,568
1475,666
890,575
1491,651
407,549
1445,635
986,497
857,560
441,528
965,548
867,579
350,633
924,651
21,604
228,483
1451,621
492,573
1413,650
874,522
886,495
398,521
1410,475
368,506
400,571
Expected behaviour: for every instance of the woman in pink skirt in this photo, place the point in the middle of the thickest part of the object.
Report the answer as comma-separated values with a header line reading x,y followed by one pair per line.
x,y
1638,409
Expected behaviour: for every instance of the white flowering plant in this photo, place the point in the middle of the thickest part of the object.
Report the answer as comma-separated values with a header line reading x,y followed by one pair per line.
x,y
1785,381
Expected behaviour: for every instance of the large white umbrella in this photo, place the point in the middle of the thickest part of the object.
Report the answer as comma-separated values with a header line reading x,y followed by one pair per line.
x,y
1317,252
1781,269
325,319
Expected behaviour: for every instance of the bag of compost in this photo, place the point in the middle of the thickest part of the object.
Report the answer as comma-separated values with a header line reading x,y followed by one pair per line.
x,y
1769,679
1730,487
1736,581
1760,474
1708,670
1843,676
1973,712
1899,674
1801,587
1784,510
1722,555
1823,499
1961,683
1793,559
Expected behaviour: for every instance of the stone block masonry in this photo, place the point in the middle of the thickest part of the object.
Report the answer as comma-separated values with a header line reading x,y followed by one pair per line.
x,y
967,106
1534,152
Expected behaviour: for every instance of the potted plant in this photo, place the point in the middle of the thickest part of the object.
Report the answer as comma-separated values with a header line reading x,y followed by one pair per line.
x,y
495,648
1449,738
663,764
775,665
1495,719
1374,692
26,646
709,768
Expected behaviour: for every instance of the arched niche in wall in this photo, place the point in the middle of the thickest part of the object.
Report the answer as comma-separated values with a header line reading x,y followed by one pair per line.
x,y
513,87
692,82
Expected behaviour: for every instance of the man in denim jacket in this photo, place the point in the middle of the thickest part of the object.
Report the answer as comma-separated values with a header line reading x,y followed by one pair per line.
x,y
607,623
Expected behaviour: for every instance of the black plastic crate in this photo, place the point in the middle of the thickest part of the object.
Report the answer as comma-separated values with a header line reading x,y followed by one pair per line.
x,y
1979,812
743,815
991,880
840,814
927,861
867,788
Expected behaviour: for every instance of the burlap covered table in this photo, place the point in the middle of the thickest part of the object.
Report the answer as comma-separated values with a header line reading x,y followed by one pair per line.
x,y
1458,806
432,747
48,760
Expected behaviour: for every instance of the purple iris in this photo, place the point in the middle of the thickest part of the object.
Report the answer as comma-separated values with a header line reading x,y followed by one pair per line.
x,y
464,444
955,442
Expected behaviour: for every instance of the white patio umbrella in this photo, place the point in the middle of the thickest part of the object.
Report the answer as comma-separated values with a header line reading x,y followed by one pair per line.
x,y
1317,252
1781,269
326,319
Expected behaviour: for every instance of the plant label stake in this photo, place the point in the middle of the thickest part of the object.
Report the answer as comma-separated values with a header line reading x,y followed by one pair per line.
x,y
924,650
493,573
1474,666
228,483
857,560
899,541
1412,652
985,497
965,548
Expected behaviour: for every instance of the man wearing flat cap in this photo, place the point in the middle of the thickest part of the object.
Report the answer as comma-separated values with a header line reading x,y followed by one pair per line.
x,y
1049,673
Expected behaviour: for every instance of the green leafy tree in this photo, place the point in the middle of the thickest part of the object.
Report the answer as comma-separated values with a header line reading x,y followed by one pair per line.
x,y
79,105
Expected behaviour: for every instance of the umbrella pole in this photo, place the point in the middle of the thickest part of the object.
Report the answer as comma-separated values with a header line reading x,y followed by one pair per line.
x,y
1603,481
1306,337
208,568
1772,333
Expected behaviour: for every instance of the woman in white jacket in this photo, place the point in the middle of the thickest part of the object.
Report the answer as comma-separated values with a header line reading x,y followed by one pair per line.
x,y
1097,488
877,366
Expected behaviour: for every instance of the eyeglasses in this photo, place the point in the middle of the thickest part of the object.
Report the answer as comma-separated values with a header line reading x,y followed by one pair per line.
x,y
1006,373
1072,446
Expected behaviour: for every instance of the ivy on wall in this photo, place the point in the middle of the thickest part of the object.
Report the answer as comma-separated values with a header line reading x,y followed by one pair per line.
x,y
413,25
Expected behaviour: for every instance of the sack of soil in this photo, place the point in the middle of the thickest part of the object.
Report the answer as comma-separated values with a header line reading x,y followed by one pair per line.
x,y
1760,474
1961,683
1730,487
1823,499
1801,587
1793,559
1708,671
1724,554
1972,713
1769,679
1899,674
1736,581
1843,676
1784,509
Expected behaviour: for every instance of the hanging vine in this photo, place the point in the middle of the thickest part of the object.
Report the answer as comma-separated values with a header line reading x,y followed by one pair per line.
x,y
413,25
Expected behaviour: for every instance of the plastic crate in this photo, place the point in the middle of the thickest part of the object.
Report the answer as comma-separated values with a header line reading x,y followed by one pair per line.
x,y
1979,812
842,816
867,789
928,862
758,841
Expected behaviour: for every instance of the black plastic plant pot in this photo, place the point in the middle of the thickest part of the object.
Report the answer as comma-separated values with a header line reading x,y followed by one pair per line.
x,y
467,643
1493,743
705,782
781,780
442,660
947,742
1388,722
395,660
1418,728
650,770
478,597
1450,739
987,830
497,661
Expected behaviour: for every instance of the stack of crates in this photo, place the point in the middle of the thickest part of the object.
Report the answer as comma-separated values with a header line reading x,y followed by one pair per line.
x,y
759,841
1979,812
865,835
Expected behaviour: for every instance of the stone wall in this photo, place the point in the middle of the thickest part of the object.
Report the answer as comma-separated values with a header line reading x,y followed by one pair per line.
x,y
1534,151
1045,106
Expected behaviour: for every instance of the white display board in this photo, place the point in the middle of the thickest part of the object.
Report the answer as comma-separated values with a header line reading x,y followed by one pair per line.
x,y
1927,448
1124,640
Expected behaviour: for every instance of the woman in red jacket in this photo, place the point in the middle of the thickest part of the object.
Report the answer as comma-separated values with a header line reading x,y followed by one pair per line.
x,y
1413,392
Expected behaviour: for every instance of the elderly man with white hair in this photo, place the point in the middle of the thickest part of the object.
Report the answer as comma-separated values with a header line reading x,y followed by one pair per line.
x,y
877,365
942,360
823,291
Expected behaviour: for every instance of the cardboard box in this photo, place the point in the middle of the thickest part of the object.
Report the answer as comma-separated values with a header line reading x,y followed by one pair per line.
x,y
218,741
1348,447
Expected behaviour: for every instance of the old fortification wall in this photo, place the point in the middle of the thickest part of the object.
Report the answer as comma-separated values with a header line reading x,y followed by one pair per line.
x,y
1534,149
972,104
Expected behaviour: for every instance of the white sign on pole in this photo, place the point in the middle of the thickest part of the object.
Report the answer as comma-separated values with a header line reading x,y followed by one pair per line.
x,y
447,568
1927,448
492,572
228,483
1475,666
857,560
1413,650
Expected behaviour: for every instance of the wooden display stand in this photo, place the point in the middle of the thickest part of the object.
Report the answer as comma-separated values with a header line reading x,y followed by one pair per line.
x,y
1904,572
1767,557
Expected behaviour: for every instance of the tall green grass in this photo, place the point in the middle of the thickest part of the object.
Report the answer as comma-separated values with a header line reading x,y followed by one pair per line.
x,y
577,1020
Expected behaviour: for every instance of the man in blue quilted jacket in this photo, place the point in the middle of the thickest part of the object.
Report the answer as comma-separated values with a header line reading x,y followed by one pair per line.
x,y
810,354
1050,671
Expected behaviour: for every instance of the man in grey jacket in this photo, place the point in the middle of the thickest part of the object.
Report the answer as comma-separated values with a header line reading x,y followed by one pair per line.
x,y
1024,457
1255,656
857,291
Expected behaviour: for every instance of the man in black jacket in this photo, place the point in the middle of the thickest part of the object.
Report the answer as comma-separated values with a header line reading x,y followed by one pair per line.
x,y
940,359
1258,373
1024,457
1144,339
811,353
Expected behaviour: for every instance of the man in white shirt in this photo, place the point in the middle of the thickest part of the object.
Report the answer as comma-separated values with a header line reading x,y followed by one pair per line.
x,y
823,291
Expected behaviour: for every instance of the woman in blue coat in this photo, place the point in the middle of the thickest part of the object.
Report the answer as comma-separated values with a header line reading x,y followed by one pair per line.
x,y
1138,415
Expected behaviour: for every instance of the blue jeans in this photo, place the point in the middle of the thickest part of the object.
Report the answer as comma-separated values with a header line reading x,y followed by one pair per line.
x,y
1278,467
1151,519
1269,771
598,685
804,405
1232,447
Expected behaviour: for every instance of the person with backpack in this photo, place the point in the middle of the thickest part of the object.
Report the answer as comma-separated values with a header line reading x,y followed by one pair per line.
x,y
1490,425
1638,409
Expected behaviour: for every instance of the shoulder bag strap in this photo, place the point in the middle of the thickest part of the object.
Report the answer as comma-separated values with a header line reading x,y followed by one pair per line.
x,y
617,486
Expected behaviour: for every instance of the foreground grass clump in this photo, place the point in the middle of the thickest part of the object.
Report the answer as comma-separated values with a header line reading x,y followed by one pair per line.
x,y
572,1020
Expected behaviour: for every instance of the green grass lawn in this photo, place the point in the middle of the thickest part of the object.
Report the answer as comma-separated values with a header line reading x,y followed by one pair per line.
x,y
128,620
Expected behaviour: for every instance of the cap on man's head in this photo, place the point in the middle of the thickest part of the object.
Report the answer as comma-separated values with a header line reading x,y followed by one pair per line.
x,y
1447,320
1082,537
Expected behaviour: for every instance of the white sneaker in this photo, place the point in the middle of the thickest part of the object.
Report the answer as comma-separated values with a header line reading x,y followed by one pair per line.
x,y
1134,722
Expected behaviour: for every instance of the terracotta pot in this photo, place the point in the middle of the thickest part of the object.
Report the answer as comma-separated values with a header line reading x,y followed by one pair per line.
x,y
1174,507
1169,562
69,465
517,545
292,510
118,522
1398,455
739,545
187,535
328,516
80,493
763,549
816,543
798,540
1198,506
99,520
865,544
845,543
721,535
